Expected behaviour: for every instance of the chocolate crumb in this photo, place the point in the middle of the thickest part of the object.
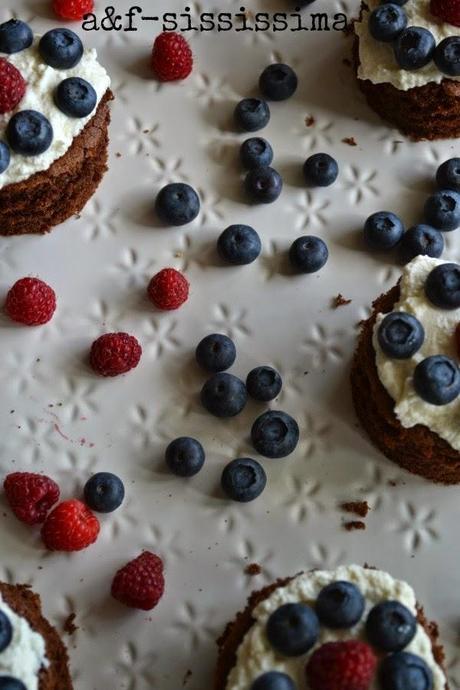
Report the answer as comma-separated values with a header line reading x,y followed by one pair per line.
x,y
188,674
347,62
118,154
309,121
69,626
350,141
340,301
354,525
360,508
253,569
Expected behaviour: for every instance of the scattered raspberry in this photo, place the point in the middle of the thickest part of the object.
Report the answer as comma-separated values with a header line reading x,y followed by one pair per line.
x,y
115,353
447,10
140,584
346,665
457,338
168,289
30,496
30,301
72,9
12,86
71,526
172,57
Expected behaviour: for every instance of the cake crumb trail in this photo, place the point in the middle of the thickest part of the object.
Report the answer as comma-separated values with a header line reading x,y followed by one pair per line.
x,y
188,674
309,121
354,525
340,301
360,508
350,141
253,569
69,626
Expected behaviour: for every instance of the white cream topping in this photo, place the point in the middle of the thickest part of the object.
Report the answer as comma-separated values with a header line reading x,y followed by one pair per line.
x,y
42,81
25,656
378,63
396,375
256,656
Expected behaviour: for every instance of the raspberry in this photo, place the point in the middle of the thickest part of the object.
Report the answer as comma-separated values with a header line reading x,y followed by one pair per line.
x,y
447,10
346,665
168,289
115,353
140,584
72,9
172,57
12,86
30,496
30,301
71,526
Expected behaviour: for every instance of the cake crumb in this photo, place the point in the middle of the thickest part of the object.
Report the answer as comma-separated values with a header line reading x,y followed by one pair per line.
x,y
253,569
188,674
340,301
350,141
353,525
347,62
360,508
69,626
118,154
309,121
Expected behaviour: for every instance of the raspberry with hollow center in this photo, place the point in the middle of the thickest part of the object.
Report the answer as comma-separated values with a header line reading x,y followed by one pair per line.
x,y
168,289
348,665
115,353
30,496
31,302
12,86
72,9
172,58
447,10
140,583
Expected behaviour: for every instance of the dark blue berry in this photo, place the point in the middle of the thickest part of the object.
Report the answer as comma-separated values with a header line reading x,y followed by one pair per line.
x,y
414,48
442,286
320,170
383,230
216,352
243,480
239,245
6,631
256,153
5,156
273,680
442,210
278,82
61,48
308,254
293,629
104,492
264,383
177,204
75,97
29,133
15,36
224,395
9,683
405,671
185,456
447,56
340,605
400,335
252,114
396,2
421,240
264,185
448,175
437,380
390,626
386,22
275,434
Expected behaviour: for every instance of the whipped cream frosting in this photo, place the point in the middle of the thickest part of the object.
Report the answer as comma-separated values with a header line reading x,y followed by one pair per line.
x,y
378,63
255,655
25,656
42,81
396,375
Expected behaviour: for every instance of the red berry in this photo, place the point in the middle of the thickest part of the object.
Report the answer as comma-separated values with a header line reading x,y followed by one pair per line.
x,y
30,496
172,57
446,10
346,665
168,289
12,86
71,526
72,9
30,301
115,353
140,584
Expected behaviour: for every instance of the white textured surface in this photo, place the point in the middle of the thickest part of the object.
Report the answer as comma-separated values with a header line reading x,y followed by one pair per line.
x,y
99,265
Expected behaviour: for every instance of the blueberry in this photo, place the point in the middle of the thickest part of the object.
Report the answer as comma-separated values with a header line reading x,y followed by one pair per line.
x,y
224,395
405,671
185,456
252,114
308,254
386,22
448,175
278,82
6,631
264,383
104,492
9,683
273,680
177,204
396,2
264,185
340,605
239,245
442,286
414,48
383,230
243,480
320,170
421,240
4,156
15,36
75,97
293,629
442,210
275,434
437,380
390,626
447,56
61,48
256,153
216,352
400,335
29,133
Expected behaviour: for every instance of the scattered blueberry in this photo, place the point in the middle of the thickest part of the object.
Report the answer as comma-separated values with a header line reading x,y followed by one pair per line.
x,y
447,56
239,245
308,254
400,335
104,492
390,626
405,671
264,383
252,114
437,380
320,170
442,210
10,683
275,434
6,631
185,456
243,480
278,82
216,352
340,605
5,156
293,629
273,680
448,175
442,286
386,22
15,36
256,153
421,240
264,185
177,204
75,97
383,230
29,133
224,395
414,48
61,48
